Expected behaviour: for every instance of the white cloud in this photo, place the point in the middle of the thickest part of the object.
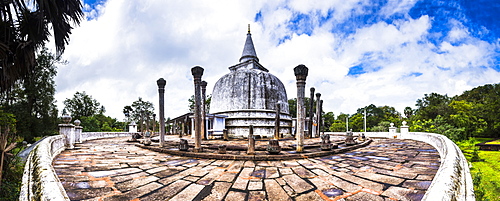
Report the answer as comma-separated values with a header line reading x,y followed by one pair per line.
x,y
118,55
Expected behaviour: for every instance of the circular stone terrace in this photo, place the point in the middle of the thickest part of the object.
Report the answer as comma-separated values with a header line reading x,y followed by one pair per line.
x,y
114,169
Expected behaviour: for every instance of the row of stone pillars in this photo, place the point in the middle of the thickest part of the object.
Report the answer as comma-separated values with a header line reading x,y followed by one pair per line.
x,y
301,72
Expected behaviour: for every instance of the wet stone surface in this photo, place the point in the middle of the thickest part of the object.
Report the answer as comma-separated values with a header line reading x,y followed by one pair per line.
x,y
113,169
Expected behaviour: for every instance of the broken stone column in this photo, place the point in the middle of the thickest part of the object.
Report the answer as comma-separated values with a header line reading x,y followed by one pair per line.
x,y
222,149
251,142
326,145
277,122
318,113
225,135
204,132
183,145
311,114
147,138
349,139
273,147
301,75
197,72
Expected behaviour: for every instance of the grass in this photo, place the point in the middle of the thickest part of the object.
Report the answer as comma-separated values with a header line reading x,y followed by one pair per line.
x,y
485,168
493,142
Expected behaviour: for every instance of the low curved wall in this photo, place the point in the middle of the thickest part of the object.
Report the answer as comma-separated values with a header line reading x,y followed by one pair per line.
x,y
40,181
99,135
453,180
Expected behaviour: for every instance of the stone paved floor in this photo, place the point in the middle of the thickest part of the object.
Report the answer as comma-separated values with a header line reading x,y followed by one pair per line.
x,y
112,169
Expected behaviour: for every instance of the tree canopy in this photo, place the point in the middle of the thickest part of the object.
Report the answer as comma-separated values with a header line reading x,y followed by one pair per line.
x,y
83,105
26,27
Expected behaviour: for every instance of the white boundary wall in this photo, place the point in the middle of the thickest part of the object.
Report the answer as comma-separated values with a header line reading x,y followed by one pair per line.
x,y
452,181
40,181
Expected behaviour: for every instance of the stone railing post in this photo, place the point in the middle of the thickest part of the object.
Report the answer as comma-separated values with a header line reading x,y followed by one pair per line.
x,y
68,130
404,129
161,92
392,130
197,72
78,131
301,75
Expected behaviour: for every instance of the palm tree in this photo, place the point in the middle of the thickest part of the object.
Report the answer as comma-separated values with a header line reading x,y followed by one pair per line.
x,y
26,26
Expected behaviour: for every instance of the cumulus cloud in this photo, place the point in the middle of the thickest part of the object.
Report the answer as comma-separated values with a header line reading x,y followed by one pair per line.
x,y
358,53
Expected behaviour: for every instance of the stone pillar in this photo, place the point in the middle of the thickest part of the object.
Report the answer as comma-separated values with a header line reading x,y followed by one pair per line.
x,y
277,122
161,92
311,114
404,129
197,73
154,123
78,131
301,75
251,142
318,113
68,130
392,131
204,132
320,117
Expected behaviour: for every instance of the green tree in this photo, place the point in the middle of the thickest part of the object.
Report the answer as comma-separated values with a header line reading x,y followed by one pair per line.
x,y
26,27
292,106
328,120
140,109
375,115
408,112
32,100
356,122
382,126
101,123
208,100
432,105
83,105
486,104
338,126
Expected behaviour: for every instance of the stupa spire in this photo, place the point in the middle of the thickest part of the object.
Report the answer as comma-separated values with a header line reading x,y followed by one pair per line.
x,y
249,50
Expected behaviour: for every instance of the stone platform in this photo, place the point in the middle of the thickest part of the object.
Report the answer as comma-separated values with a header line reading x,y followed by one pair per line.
x,y
113,169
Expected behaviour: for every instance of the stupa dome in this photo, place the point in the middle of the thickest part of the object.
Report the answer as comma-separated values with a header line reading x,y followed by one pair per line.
x,y
248,88
248,95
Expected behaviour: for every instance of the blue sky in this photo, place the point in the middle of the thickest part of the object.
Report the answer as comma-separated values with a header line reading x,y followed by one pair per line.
x,y
359,52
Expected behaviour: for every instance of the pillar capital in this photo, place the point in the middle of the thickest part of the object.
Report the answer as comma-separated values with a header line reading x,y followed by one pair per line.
x,y
161,83
301,72
203,84
318,95
197,72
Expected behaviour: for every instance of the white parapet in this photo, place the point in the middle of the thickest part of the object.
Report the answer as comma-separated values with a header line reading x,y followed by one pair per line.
x,y
40,181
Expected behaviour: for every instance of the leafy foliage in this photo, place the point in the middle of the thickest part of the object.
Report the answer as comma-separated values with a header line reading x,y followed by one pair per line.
x,y
32,100
140,110
83,105
207,103
26,27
